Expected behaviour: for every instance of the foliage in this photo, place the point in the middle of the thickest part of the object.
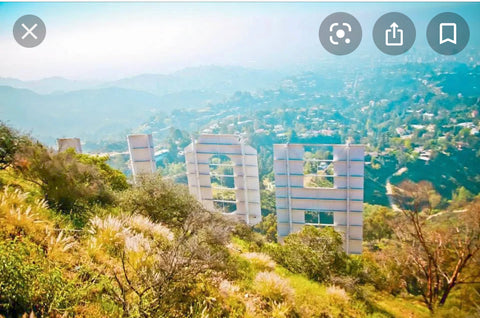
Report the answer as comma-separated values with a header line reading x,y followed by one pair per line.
x,y
161,200
259,261
152,250
268,227
376,222
28,282
317,253
437,252
462,196
10,142
152,267
114,178
66,182
273,287
175,171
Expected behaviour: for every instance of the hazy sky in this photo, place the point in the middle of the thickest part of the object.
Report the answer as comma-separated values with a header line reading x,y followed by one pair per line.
x,y
113,40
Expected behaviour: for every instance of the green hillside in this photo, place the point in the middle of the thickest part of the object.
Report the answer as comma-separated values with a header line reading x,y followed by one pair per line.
x,y
77,240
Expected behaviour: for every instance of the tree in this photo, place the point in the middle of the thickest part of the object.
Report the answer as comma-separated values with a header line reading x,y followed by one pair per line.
x,y
436,250
268,227
376,225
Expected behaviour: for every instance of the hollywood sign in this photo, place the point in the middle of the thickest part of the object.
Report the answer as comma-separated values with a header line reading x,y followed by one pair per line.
x,y
315,184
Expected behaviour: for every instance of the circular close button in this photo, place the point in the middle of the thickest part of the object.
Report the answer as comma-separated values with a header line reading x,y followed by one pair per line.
x,y
29,31
448,33
340,33
394,33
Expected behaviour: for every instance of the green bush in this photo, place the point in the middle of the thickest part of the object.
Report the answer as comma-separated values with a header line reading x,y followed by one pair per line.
x,y
161,200
376,224
317,253
67,182
29,283
10,142
268,227
114,178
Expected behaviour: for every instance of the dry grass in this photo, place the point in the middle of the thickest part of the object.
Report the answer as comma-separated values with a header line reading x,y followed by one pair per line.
x,y
272,287
141,224
20,218
337,294
260,261
135,238
107,234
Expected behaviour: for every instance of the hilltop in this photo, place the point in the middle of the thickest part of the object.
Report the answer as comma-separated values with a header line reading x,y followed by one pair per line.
x,y
77,240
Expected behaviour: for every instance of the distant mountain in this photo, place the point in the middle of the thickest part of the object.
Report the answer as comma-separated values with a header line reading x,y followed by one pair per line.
x,y
49,85
215,79
58,107
97,113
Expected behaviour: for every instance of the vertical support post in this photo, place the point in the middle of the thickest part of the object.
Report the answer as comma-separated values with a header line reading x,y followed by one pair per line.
x,y
132,166
245,184
195,160
153,164
289,193
347,232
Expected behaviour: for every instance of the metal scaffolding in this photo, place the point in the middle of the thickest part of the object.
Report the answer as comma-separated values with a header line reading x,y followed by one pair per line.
x,y
343,198
142,160
67,143
244,167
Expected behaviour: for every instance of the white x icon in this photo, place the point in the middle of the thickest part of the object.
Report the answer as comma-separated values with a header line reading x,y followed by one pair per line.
x,y
29,31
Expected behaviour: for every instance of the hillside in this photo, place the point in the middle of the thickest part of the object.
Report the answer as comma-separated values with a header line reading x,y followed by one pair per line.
x,y
106,111
77,240
87,113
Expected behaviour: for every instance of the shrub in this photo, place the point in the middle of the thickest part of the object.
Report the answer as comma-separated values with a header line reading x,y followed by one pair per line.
x,y
161,200
260,261
21,218
268,227
317,253
153,269
114,178
376,222
29,283
10,142
67,183
272,287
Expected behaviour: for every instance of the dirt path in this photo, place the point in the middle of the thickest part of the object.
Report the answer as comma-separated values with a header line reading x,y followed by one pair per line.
x,y
389,187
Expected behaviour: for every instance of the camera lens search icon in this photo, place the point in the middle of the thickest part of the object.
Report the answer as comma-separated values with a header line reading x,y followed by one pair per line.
x,y
340,33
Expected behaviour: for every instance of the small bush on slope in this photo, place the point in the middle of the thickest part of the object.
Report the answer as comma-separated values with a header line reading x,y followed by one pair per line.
x,y
67,183
317,253
161,200
10,142
33,257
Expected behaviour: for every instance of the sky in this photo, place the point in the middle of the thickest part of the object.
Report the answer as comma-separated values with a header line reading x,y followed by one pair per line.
x,y
108,41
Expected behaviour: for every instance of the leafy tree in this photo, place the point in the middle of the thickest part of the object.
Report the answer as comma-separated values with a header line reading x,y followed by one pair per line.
x,y
268,204
268,227
376,224
462,196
